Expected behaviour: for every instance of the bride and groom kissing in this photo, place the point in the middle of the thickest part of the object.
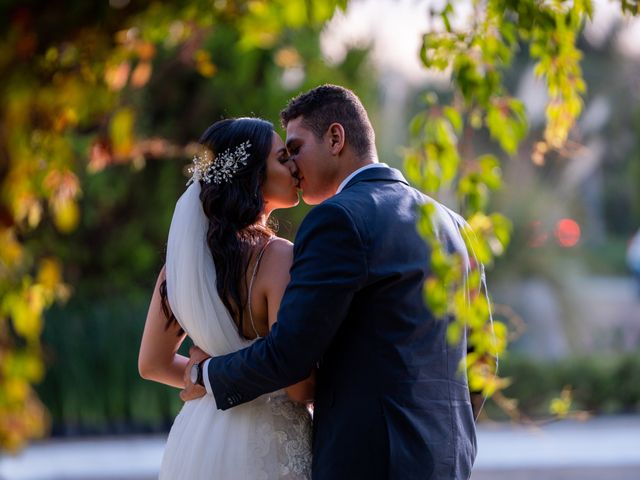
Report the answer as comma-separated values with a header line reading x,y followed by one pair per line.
x,y
337,320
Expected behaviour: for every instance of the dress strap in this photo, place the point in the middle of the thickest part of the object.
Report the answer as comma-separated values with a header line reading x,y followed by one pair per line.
x,y
253,277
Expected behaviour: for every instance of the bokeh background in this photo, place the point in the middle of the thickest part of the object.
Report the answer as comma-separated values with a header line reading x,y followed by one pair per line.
x,y
102,101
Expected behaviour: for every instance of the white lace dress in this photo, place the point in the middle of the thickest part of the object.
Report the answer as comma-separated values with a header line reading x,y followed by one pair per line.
x,y
267,438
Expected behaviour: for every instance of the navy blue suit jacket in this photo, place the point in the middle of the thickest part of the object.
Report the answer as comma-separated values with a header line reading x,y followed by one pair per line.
x,y
390,399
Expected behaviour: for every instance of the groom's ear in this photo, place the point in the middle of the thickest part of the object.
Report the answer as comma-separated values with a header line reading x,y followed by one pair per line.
x,y
336,137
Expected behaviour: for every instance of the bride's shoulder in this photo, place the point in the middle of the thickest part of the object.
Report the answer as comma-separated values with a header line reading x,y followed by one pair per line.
x,y
273,274
279,250
279,246
281,242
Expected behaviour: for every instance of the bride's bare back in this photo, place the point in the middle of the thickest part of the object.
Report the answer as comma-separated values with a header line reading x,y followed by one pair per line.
x,y
267,278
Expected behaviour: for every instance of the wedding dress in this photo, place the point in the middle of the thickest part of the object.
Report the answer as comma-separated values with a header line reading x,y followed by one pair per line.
x,y
267,438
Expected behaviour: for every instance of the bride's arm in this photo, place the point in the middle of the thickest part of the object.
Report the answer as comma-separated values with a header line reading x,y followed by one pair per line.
x,y
277,262
158,359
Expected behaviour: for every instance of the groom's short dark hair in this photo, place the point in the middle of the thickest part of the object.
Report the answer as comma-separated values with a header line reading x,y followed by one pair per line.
x,y
327,104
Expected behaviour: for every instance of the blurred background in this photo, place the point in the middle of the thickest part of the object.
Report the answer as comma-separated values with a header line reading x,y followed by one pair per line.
x,y
126,87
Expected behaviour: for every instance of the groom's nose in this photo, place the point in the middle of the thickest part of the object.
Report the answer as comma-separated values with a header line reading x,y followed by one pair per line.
x,y
293,167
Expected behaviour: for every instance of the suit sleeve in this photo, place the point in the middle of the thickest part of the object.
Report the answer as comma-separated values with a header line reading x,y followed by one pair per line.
x,y
329,267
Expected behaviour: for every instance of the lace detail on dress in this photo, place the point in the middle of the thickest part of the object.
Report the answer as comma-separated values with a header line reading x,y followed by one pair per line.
x,y
283,434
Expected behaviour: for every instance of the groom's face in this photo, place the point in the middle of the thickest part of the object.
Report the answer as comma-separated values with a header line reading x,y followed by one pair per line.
x,y
316,167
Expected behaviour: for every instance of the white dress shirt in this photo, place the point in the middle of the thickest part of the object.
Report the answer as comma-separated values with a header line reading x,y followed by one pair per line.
x,y
361,169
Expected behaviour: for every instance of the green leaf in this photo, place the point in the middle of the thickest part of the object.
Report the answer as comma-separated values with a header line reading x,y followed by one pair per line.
x,y
444,134
490,173
478,246
321,10
475,118
436,297
454,333
448,10
425,222
432,179
502,228
507,123
450,160
121,131
412,168
416,125
454,117
294,13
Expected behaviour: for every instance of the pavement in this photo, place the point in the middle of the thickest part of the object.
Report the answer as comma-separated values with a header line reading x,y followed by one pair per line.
x,y
606,448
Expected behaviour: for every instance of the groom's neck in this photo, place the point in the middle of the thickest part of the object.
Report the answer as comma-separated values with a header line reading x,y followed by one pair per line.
x,y
349,167
354,164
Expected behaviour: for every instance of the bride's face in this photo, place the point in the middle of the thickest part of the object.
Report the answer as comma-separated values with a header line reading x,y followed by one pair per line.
x,y
280,189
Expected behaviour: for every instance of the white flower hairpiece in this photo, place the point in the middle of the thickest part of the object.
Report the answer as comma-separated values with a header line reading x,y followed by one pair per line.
x,y
222,168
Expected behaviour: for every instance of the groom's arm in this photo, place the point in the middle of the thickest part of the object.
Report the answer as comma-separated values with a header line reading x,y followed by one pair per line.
x,y
329,266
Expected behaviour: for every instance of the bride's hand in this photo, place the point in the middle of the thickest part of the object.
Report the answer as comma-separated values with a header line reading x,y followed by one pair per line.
x,y
191,391
197,355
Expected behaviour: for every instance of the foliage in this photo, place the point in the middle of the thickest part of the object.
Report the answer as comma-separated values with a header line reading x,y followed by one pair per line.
x,y
598,384
86,106
476,55
75,82
92,385
94,395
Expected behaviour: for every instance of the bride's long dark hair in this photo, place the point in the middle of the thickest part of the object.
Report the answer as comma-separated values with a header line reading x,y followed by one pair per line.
x,y
234,210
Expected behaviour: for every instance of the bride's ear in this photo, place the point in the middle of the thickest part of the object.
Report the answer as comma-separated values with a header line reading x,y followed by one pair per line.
x,y
336,138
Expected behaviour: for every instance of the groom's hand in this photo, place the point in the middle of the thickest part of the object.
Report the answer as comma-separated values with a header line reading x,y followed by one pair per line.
x,y
191,391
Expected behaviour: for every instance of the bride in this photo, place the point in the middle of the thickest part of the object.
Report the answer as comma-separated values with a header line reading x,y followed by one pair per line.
x,y
222,283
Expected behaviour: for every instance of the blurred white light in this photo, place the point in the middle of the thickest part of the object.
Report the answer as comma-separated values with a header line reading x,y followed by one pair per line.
x,y
393,29
628,39
292,77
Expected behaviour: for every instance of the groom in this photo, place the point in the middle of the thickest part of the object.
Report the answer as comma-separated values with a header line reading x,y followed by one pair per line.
x,y
390,401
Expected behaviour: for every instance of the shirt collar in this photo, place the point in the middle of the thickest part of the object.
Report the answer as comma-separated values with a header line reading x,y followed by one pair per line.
x,y
361,169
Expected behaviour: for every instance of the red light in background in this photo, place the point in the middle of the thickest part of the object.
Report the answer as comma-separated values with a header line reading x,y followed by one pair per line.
x,y
567,232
